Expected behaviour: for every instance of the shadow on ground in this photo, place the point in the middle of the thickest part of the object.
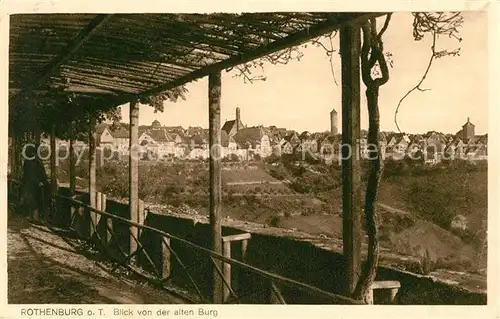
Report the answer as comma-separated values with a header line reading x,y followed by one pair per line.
x,y
44,267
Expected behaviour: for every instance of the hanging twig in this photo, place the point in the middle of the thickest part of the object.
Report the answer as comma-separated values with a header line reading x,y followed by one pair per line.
x,y
436,24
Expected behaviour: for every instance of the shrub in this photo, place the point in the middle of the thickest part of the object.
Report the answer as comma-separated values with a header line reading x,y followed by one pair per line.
x,y
427,263
275,221
299,187
278,172
386,233
454,263
272,159
307,211
234,158
312,159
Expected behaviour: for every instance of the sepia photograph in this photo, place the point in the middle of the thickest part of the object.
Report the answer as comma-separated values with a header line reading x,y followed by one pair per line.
x,y
247,158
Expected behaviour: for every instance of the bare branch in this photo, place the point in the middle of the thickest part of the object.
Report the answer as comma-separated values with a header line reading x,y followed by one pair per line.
x,y
435,23
417,86
284,57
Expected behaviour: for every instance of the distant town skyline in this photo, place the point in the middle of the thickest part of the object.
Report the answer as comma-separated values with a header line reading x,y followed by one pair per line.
x,y
300,95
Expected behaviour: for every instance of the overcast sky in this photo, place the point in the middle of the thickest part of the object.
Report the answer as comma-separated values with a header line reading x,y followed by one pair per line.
x,y
300,95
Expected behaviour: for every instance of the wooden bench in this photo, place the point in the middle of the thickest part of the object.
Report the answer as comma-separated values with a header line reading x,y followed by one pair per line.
x,y
389,286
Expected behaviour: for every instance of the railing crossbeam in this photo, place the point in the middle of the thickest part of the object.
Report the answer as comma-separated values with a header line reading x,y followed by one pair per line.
x,y
141,247
198,291
277,279
226,283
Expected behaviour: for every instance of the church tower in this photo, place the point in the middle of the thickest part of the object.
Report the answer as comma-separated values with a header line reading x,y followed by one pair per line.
x,y
333,122
468,130
238,119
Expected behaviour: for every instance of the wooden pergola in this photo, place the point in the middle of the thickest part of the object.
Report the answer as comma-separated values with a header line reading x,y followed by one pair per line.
x,y
106,60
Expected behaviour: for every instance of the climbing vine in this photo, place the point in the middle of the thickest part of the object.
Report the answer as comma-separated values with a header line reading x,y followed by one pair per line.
x,y
372,53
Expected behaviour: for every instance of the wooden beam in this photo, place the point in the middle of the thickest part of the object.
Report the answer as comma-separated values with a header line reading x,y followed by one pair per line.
x,y
94,25
92,170
88,90
276,296
134,172
350,46
214,95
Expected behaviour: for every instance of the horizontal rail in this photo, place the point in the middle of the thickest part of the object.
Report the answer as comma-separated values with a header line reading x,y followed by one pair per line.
x,y
389,284
263,273
236,237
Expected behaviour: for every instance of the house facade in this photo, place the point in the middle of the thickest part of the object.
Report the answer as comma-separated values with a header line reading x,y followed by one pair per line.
x,y
254,139
112,136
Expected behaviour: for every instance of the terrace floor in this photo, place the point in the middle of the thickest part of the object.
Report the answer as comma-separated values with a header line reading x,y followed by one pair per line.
x,y
46,267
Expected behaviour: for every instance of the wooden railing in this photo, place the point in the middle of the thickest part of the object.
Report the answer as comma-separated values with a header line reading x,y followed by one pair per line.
x,y
102,239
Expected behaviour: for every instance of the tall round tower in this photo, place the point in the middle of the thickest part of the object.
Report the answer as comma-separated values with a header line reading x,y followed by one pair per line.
x,y
238,119
333,122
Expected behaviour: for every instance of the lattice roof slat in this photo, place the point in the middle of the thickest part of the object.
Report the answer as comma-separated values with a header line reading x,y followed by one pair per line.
x,y
135,55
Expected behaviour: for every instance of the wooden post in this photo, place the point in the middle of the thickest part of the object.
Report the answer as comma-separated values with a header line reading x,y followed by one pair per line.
x,y
14,169
244,245
140,220
37,132
21,140
141,212
53,170
72,159
134,172
369,300
80,226
109,229
104,198
214,94
233,281
12,151
389,289
53,157
104,230
98,200
165,257
98,206
92,171
350,43
226,271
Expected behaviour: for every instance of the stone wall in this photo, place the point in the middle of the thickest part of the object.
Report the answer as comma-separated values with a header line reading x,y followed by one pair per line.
x,y
299,260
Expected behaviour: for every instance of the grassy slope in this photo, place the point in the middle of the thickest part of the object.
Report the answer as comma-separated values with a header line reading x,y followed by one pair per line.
x,y
432,199
441,196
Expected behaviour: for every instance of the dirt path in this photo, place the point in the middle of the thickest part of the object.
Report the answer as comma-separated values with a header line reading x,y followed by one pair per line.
x,y
43,267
